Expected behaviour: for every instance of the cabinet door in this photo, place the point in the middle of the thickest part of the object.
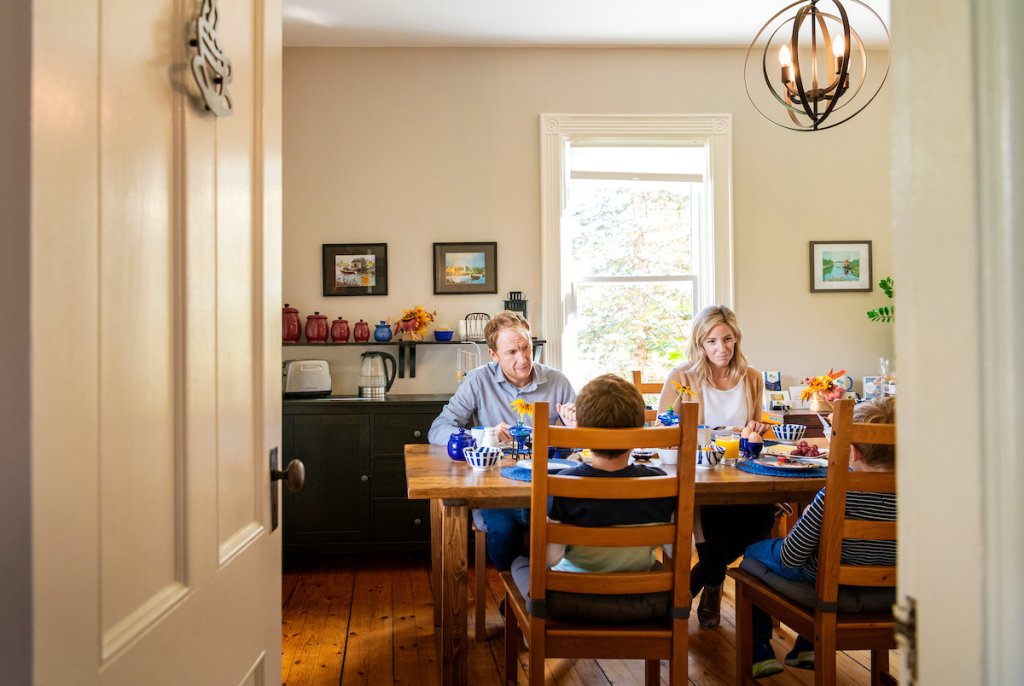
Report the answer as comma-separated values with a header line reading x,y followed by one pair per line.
x,y
332,509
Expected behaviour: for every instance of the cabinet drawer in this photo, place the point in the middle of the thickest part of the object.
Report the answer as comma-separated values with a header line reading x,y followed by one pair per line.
x,y
391,431
401,520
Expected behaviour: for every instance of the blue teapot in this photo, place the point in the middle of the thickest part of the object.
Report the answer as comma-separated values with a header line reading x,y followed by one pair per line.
x,y
457,443
382,332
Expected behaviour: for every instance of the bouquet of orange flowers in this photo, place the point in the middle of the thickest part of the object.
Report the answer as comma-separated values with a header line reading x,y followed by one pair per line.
x,y
415,321
823,386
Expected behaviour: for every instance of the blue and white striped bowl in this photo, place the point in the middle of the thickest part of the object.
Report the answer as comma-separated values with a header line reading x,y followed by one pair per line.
x,y
790,432
482,459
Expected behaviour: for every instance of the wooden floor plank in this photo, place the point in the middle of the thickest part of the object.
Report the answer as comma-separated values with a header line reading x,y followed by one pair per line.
x,y
382,627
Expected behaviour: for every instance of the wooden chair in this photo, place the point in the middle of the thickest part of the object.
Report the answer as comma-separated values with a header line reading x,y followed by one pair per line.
x,y
647,388
651,642
832,630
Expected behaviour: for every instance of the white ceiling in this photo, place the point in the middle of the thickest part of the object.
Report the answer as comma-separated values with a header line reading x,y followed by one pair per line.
x,y
518,23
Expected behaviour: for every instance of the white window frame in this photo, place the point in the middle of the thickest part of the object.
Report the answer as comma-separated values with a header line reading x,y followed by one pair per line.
x,y
560,131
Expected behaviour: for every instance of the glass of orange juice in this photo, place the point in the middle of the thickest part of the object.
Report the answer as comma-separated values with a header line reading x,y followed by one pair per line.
x,y
730,442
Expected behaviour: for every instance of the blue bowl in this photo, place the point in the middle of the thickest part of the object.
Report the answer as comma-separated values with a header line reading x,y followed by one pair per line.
x,y
443,335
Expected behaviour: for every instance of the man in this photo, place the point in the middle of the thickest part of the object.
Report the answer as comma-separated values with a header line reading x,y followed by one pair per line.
x,y
485,399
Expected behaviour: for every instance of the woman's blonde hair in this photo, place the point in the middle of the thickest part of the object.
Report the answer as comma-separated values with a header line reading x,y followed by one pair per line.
x,y
707,319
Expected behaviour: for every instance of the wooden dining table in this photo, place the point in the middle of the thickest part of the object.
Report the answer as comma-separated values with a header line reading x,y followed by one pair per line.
x,y
453,488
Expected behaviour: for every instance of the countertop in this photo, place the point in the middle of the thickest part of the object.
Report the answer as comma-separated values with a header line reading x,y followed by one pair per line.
x,y
390,399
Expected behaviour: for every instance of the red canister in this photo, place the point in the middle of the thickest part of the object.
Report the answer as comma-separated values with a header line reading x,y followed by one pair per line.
x,y
339,330
361,332
291,326
316,328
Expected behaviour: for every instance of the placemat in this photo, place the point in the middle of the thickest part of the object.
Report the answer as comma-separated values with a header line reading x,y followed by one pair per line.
x,y
767,470
522,473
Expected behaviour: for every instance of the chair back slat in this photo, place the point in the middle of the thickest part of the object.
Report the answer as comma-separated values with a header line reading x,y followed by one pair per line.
x,y
869,531
610,584
840,481
613,489
623,536
863,575
645,387
611,439
878,482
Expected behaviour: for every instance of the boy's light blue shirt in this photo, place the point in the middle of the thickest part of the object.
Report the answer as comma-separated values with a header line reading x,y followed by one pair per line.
x,y
484,399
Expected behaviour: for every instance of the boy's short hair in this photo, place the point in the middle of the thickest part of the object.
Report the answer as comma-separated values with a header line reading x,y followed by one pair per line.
x,y
877,411
610,402
500,322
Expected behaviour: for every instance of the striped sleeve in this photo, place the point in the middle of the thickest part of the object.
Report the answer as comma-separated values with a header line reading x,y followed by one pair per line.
x,y
802,542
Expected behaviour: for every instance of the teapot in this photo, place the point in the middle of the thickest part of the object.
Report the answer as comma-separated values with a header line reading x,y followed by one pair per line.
x,y
457,443
375,378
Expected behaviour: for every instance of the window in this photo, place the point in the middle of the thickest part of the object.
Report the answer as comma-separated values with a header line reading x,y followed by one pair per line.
x,y
639,241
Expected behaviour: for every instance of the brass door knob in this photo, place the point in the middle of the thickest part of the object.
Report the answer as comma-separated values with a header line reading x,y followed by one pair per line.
x,y
294,475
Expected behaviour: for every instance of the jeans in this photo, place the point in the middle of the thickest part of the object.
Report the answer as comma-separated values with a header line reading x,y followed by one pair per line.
x,y
769,553
505,531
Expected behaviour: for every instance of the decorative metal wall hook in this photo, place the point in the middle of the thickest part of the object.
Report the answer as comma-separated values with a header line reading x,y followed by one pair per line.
x,y
210,66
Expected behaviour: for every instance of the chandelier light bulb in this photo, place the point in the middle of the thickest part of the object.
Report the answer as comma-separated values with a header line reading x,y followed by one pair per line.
x,y
838,45
785,57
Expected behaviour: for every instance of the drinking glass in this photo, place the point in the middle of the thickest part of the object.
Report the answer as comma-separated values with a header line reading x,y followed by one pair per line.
x,y
730,442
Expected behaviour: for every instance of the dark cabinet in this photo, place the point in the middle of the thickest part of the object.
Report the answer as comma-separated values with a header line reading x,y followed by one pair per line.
x,y
354,498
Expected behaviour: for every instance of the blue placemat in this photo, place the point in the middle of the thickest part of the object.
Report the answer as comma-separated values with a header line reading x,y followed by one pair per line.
x,y
523,474
768,470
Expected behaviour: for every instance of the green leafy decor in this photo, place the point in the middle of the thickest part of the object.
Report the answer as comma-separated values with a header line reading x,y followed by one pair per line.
x,y
886,313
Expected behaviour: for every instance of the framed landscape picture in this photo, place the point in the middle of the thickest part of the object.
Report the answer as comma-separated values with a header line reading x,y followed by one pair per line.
x,y
840,266
355,268
465,268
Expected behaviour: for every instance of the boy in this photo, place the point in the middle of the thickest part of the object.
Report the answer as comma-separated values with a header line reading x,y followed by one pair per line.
x,y
607,402
796,556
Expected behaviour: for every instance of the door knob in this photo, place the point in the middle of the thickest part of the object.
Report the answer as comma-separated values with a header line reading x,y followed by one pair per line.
x,y
294,475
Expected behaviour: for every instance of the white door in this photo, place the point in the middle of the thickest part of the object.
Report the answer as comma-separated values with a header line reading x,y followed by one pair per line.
x,y
155,353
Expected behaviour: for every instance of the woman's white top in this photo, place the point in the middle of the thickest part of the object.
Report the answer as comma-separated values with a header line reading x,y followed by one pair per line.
x,y
725,408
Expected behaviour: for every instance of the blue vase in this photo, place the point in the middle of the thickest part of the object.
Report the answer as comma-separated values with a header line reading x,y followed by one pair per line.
x,y
382,333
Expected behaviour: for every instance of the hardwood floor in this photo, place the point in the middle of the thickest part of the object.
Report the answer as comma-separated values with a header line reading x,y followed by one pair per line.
x,y
351,620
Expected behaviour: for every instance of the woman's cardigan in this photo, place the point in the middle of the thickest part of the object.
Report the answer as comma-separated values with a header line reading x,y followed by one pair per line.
x,y
753,387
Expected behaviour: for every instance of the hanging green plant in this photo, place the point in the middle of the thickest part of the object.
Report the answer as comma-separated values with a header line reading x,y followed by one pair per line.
x,y
886,313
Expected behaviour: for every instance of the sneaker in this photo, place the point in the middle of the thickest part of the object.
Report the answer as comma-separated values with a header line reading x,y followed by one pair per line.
x,y
801,660
769,667
802,655
765,663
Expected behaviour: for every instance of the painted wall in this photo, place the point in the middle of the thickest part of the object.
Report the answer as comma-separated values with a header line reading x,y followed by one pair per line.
x,y
413,146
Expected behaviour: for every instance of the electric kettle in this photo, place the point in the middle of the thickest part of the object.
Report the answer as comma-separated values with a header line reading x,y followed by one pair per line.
x,y
375,378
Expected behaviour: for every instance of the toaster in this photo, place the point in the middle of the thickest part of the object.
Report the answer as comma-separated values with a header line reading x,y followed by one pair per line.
x,y
306,378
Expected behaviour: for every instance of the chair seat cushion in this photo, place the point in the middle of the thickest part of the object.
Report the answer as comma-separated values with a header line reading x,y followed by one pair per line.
x,y
852,599
596,607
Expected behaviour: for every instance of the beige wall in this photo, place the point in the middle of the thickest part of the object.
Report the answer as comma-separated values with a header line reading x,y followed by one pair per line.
x,y
413,146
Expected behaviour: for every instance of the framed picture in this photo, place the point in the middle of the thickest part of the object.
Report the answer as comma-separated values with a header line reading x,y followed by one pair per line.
x,y
873,387
778,400
841,266
465,268
798,402
355,268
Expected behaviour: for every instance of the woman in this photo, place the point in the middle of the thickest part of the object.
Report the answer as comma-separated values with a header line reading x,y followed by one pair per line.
x,y
729,392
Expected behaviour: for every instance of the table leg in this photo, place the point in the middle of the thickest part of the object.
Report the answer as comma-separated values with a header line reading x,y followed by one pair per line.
x,y
454,595
436,534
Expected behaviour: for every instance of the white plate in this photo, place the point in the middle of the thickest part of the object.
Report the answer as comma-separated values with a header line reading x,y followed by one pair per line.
x,y
777,450
554,465
793,462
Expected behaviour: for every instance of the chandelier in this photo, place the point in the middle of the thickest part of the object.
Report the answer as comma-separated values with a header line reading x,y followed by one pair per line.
x,y
814,65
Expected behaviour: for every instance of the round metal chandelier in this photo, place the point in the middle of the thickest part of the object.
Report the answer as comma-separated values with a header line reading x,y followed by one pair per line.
x,y
823,77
